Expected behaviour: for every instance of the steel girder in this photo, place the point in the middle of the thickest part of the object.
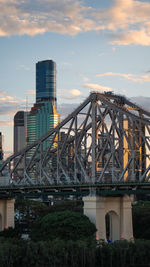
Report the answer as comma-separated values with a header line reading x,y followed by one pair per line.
x,y
105,140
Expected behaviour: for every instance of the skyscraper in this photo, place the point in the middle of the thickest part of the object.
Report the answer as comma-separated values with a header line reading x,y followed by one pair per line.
x,y
20,126
43,116
46,81
1,147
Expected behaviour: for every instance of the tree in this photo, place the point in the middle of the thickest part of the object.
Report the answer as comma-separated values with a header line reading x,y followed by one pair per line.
x,y
141,219
27,211
66,225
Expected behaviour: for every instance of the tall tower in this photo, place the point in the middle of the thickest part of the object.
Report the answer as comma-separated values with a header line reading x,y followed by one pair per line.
x,y
46,81
1,147
43,116
20,126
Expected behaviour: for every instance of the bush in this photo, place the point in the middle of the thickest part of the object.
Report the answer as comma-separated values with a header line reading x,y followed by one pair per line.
x,y
141,220
80,253
66,225
11,233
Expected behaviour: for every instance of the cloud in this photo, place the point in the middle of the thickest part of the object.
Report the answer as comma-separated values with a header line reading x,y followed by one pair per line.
x,y
4,98
98,87
142,101
65,109
6,123
24,67
85,79
9,104
126,21
68,64
30,92
75,92
69,94
139,37
127,76
39,16
129,21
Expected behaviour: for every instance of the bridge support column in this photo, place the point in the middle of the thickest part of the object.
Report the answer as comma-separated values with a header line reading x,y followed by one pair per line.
x,y
6,213
119,211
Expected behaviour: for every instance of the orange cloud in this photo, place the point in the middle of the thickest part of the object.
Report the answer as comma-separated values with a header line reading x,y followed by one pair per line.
x,y
30,92
6,123
69,94
128,21
127,76
138,37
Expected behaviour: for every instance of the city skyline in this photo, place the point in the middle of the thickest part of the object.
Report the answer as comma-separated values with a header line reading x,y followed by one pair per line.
x,y
97,46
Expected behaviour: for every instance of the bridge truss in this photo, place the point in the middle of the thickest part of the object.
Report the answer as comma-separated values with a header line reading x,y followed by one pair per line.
x,y
104,140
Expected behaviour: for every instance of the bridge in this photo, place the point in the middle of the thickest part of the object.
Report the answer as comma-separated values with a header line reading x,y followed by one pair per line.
x,y
100,151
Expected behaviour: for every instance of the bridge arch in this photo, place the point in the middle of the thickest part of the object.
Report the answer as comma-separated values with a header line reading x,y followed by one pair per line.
x,y
112,222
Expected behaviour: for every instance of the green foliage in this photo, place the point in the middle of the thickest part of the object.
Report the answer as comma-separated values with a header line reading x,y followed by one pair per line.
x,y
66,225
11,233
141,220
27,211
58,253
73,205
12,252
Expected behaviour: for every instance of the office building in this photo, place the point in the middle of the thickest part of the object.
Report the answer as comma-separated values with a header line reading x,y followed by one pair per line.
x,y
20,130
1,147
43,116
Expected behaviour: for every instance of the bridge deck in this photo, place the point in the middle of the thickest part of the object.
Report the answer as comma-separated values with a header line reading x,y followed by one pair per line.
x,y
75,189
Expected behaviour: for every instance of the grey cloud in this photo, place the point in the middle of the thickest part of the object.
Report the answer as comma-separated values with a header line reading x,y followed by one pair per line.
x,y
142,101
65,109
8,108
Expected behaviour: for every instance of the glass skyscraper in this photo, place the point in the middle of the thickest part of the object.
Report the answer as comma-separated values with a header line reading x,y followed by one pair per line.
x,y
46,81
43,116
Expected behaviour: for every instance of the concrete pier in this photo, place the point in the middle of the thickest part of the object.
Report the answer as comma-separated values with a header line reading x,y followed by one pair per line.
x,y
6,213
119,210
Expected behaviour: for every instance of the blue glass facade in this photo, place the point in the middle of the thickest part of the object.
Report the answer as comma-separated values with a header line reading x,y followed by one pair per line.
x,y
46,81
42,118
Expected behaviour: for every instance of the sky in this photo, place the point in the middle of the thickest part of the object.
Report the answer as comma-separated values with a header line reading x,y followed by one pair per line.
x,y
97,45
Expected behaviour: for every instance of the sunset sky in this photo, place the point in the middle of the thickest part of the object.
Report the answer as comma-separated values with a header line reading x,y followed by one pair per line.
x,y
96,44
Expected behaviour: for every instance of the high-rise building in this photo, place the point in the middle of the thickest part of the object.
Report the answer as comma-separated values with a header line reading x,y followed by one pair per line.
x,y
46,81
43,116
1,147
20,130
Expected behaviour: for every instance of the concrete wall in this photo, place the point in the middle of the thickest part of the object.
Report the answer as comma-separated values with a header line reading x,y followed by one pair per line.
x,y
6,213
120,211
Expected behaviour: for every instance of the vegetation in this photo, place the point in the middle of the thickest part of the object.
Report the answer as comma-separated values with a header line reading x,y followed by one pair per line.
x,y
28,211
58,253
59,238
66,225
141,220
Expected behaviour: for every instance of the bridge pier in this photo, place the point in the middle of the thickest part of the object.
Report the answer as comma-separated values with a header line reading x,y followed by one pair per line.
x,y
6,213
119,216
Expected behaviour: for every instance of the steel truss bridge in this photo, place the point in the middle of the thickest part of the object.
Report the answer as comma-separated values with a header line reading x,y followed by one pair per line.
x,y
102,146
